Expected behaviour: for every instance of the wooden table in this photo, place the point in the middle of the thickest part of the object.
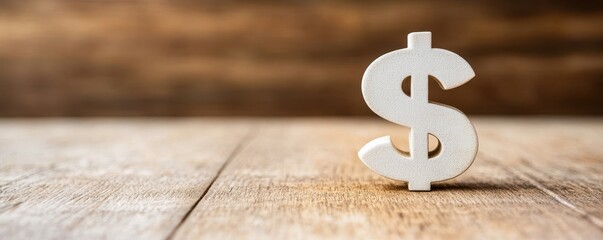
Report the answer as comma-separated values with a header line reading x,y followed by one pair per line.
x,y
233,178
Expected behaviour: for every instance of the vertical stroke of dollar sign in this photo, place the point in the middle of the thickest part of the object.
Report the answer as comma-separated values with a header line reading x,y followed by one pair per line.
x,y
382,91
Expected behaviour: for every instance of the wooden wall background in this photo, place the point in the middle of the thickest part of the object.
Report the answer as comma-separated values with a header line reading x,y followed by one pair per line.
x,y
235,57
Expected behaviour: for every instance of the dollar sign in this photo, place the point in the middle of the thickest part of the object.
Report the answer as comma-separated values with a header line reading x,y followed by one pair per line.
x,y
381,89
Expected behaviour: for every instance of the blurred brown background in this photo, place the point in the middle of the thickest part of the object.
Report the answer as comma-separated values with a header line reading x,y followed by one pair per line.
x,y
284,58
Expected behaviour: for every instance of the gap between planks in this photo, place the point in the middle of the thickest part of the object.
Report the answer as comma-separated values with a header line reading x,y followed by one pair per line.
x,y
242,143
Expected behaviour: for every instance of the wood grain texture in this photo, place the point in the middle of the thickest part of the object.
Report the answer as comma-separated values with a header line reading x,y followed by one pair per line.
x,y
302,179
536,178
106,179
82,58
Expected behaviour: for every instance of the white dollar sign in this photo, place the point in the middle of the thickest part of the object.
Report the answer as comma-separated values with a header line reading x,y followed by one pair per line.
x,y
381,88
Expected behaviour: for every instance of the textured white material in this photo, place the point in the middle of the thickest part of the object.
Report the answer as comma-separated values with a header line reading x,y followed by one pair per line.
x,y
382,91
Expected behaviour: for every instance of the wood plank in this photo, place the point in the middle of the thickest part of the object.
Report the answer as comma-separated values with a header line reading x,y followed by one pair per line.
x,y
302,179
98,179
563,157
288,57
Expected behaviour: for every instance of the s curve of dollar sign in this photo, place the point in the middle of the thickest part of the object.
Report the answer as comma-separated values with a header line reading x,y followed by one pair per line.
x,y
382,91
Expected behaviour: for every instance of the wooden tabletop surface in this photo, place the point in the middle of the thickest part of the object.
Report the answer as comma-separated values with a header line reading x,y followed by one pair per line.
x,y
290,178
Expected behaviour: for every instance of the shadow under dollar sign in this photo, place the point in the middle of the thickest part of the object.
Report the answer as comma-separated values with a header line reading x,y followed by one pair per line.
x,y
381,90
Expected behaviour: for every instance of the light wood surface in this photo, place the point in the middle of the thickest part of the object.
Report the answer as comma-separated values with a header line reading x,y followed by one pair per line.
x,y
107,179
539,178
